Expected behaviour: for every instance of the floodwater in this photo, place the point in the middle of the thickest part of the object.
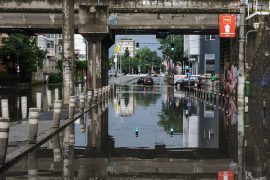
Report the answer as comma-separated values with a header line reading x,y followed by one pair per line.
x,y
156,133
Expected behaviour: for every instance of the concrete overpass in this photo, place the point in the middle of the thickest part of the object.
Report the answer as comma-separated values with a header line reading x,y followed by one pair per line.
x,y
99,20
148,17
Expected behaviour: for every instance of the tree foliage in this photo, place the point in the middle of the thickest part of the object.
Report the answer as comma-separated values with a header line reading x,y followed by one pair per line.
x,y
22,50
145,58
177,55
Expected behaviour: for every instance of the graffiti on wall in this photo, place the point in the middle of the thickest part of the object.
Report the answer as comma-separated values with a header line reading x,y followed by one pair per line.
x,y
230,79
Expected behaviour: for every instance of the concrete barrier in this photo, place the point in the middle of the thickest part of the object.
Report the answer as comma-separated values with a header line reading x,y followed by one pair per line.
x,y
33,125
4,132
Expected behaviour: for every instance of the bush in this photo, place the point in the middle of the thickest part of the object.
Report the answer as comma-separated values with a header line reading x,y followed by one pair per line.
x,y
55,78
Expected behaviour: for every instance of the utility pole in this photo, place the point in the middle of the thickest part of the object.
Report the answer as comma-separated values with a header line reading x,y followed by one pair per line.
x,y
241,76
68,49
240,94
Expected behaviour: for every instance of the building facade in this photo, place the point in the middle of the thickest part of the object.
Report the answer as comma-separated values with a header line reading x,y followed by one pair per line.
x,y
209,55
192,51
203,53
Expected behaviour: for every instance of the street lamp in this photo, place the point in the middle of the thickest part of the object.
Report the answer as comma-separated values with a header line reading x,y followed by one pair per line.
x,y
256,26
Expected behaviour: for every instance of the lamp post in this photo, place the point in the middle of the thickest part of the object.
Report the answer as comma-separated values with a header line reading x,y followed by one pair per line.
x,y
256,26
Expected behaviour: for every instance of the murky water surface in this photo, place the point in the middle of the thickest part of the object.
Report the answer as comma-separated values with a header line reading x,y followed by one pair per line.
x,y
156,133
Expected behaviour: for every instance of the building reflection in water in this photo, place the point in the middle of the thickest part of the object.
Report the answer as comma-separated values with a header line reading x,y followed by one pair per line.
x,y
209,144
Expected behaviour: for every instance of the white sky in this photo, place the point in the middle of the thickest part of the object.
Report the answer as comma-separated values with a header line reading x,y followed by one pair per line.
x,y
144,41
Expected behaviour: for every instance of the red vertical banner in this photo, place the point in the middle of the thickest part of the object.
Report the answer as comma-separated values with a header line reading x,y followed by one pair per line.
x,y
227,24
225,175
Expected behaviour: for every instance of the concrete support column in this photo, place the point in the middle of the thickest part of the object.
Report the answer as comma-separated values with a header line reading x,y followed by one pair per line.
x,y
68,49
106,44
94,66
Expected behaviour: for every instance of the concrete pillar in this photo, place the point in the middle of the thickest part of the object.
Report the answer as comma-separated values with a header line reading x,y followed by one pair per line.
x,y
68,49
4,108
4,130
33,125
39,101
71,108
94,65
24,106
57,113
56,94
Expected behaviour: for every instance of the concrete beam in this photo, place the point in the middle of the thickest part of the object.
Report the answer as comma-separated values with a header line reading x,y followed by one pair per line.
x,y
127,4
148,23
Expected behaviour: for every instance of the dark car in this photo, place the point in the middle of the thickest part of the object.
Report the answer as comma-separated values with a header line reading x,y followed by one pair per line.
x,y
148,81
186,81
140,80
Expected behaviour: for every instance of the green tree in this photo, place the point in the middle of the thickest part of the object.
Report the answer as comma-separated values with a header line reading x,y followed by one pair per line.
x,y
147,59
177,54
22,50
80,66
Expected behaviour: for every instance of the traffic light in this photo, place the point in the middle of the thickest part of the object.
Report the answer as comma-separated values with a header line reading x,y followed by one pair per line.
x,y
171,131
186,112
172,46
137,45
137,132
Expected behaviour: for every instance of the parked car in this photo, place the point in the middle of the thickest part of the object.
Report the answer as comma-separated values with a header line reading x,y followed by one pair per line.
x,y
185,82
148,81
140,80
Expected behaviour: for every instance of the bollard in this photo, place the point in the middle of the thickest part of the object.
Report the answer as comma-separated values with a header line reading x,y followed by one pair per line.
x,y
80,88
264,105
82,125
99,94
71,107
57,113
24,106
56,94
39,96
57,156
33,125
4,107
71,134
49,98
89,98
82,102
95,96
32,165
4,130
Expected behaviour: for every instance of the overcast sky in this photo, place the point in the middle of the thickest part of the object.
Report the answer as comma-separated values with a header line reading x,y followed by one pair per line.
x,y
144,41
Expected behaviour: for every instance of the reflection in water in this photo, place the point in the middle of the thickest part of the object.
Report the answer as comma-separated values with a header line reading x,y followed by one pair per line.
x,y
204,142
21,97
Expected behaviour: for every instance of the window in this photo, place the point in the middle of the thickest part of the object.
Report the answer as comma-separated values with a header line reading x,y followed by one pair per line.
x,y
210,37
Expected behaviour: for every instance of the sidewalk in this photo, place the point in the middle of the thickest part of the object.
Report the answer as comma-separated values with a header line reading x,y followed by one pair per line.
x,y
18,131
122,80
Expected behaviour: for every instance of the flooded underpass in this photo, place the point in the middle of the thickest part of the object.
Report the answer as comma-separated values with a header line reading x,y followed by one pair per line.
x,y
157,132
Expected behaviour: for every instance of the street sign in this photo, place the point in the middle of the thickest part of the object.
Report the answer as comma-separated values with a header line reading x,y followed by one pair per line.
x,y
116,49
225,175
227,25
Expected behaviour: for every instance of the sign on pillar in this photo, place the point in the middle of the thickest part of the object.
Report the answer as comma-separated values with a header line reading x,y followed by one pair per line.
x,y
227,23
225,175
